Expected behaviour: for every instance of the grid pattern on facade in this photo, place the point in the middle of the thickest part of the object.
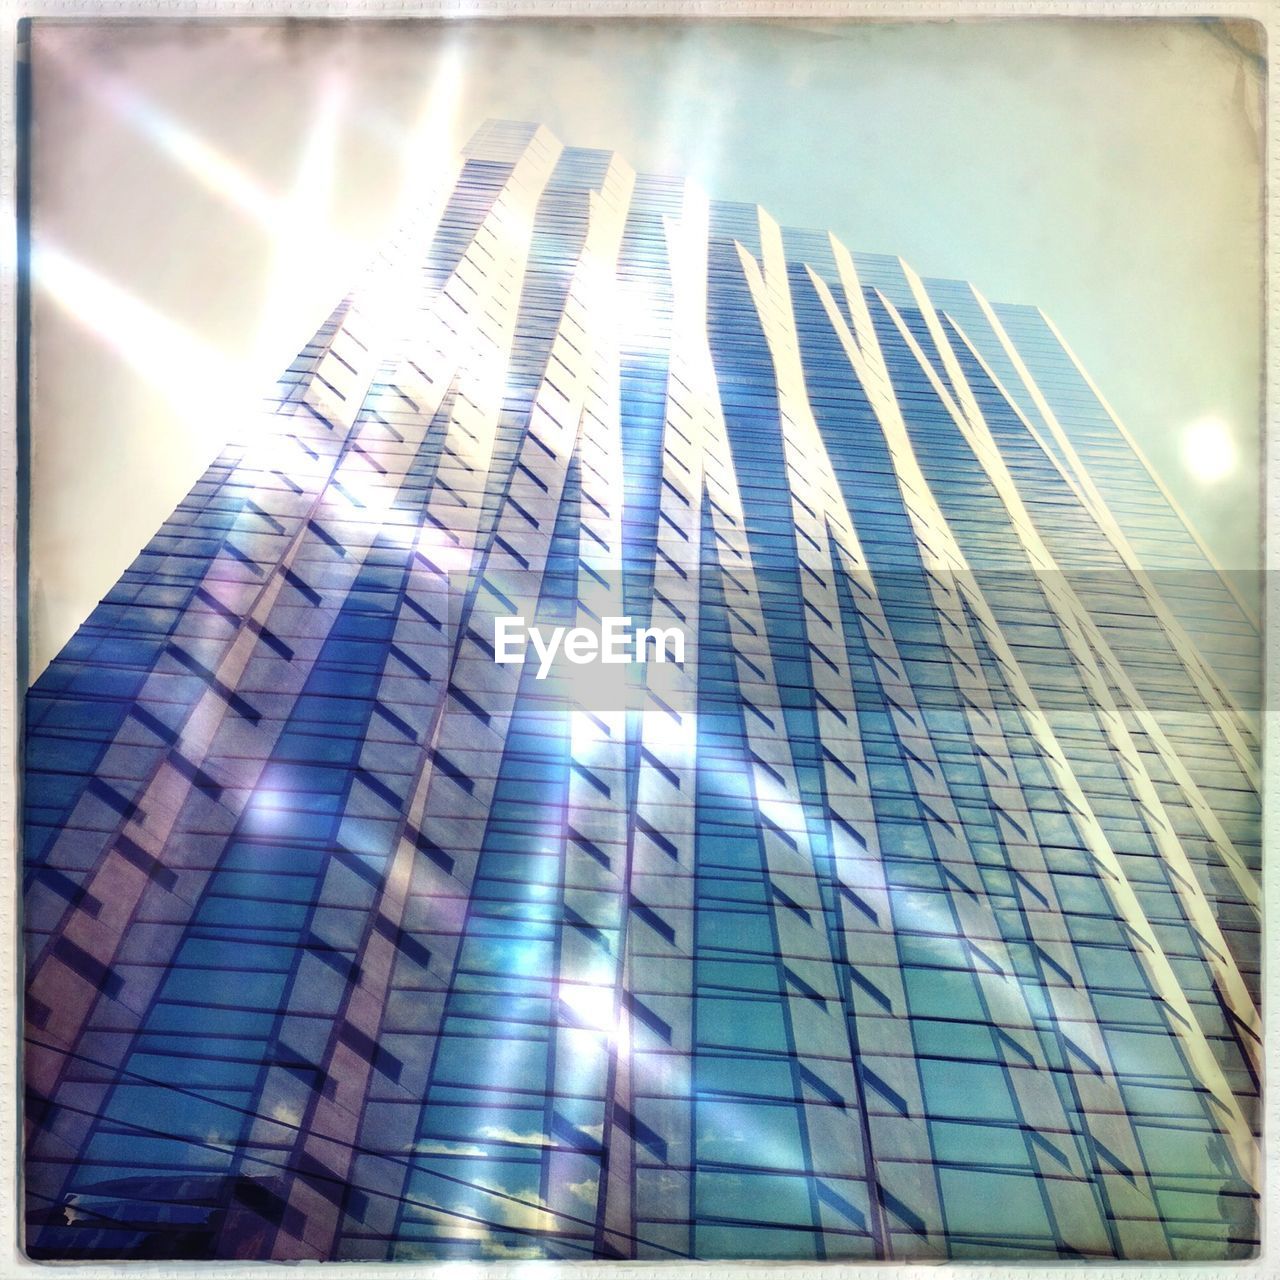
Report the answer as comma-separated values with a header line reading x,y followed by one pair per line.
x,y
927,882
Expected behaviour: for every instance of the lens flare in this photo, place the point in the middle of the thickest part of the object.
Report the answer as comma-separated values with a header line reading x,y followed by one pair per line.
x,y
1209,450
197,381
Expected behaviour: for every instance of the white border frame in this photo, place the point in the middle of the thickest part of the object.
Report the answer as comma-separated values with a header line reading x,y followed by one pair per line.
x,y
12,1263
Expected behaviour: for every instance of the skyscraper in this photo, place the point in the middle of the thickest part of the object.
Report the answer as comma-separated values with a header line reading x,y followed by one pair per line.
x,y
906,908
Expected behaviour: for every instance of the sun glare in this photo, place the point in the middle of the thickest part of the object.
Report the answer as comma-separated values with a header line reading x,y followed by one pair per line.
x,y
1209,450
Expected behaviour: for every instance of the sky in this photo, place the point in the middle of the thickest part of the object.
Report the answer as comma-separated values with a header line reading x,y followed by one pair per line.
x,y
203,194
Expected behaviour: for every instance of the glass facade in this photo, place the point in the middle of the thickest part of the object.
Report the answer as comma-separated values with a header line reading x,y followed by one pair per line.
x,y
913,914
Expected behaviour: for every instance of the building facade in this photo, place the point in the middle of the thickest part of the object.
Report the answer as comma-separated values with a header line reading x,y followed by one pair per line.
x,y
913,913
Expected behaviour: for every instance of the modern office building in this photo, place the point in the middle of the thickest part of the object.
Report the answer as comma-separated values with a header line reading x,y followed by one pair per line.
x,y
910,912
